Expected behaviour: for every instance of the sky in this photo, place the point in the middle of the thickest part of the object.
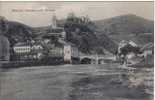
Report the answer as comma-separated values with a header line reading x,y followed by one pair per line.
x,y
40,13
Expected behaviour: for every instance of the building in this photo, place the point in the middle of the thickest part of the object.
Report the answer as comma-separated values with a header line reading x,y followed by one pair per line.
x,y
71,53
148,49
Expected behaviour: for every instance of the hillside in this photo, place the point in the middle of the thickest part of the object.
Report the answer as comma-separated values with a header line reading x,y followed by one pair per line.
x,y
87,43
15,31
128,27
102,34
125,24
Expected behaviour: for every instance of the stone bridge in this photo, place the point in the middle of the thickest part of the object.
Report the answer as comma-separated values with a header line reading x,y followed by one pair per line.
x,y
95,59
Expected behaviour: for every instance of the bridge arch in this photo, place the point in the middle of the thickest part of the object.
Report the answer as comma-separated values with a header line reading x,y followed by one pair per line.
x,y
86,60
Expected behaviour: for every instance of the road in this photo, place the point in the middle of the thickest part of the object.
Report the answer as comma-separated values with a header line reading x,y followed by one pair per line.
x,y
69,82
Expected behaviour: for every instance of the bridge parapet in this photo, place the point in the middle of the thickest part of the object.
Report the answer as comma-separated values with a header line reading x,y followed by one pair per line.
x,y
95,59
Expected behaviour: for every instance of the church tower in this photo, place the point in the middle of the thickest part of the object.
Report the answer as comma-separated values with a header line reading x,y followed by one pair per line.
x,y
54,21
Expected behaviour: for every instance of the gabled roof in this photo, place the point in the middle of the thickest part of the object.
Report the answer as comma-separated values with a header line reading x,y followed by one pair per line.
x,y
149,46
21,44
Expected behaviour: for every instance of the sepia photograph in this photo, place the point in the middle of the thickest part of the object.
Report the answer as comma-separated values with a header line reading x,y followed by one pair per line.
x,y
76,50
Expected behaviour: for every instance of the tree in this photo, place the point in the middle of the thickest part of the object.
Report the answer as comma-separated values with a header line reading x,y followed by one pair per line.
x,y
78,32
3,25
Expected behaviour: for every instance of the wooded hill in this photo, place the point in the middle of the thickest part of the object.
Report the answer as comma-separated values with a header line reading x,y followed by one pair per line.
x,y
89,37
